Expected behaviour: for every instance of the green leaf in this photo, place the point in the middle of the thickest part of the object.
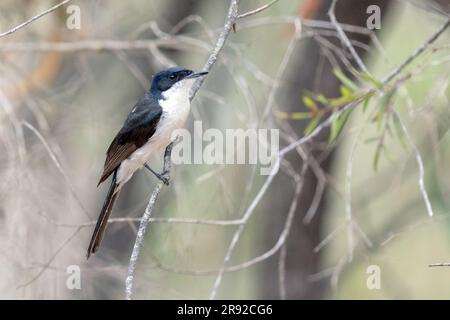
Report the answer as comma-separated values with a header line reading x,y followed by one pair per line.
x,y
341,101
322,99
312,125
385,99
310,104
338,124
384,105
376,158
300,115
381,147
345,80
346,93
366,103
368,78
294,115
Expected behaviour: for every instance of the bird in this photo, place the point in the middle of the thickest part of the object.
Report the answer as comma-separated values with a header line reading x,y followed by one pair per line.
x,y
146,132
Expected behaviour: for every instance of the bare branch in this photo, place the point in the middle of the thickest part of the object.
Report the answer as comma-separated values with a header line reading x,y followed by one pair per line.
x,y
238,232
206,222
299,179
419,160
286,58
54,255
58,166
173,42
24,24
345,39
440,264
418,51
258,10
143,226
282,272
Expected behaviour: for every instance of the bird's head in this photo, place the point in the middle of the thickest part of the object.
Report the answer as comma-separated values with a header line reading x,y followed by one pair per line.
x,y
174,79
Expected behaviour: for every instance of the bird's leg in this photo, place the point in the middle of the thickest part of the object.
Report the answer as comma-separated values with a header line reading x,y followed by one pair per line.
x,y
163,176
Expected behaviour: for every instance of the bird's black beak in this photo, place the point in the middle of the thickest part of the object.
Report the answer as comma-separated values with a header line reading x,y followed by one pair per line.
x,y
197,74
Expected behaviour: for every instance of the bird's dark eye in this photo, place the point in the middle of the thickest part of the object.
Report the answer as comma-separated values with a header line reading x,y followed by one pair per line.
x,y
172,76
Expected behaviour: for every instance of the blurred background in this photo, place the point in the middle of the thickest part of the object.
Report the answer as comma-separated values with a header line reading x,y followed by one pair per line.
x,y
353,203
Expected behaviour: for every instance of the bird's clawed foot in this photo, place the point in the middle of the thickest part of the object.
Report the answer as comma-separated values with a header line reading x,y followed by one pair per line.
x,y
164,177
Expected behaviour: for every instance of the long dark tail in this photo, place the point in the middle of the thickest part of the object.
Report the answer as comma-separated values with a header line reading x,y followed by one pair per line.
x,y
102,221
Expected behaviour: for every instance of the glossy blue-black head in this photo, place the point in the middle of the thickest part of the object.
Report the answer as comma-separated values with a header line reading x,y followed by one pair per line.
x,y
166,79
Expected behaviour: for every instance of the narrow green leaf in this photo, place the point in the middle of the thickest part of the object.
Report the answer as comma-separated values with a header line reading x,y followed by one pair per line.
x,y
376,158
368,78
346,93
384,105
385,99
338,124
345,80
312,125
379,119
300,115
322,99
341,101
310,104
366,103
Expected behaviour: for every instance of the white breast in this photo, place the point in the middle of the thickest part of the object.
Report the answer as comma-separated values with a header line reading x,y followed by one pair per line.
x,y
175,105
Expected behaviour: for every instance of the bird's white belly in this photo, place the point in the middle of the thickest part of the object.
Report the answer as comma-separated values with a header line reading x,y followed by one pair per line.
x,y
175,113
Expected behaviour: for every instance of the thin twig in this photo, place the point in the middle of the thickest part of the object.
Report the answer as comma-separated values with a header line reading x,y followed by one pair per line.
x,y
418,51
174,42
348,196
221,223
419,160
344,38
440,264
299,179
283,66
238,232
58,166
20,26
258,10
282,272
54,255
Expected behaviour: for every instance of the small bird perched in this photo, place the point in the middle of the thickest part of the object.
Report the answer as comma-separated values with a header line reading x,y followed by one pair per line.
x,y
146,131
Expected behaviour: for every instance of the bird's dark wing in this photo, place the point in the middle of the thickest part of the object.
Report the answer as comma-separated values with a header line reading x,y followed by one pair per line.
x,y
139,126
